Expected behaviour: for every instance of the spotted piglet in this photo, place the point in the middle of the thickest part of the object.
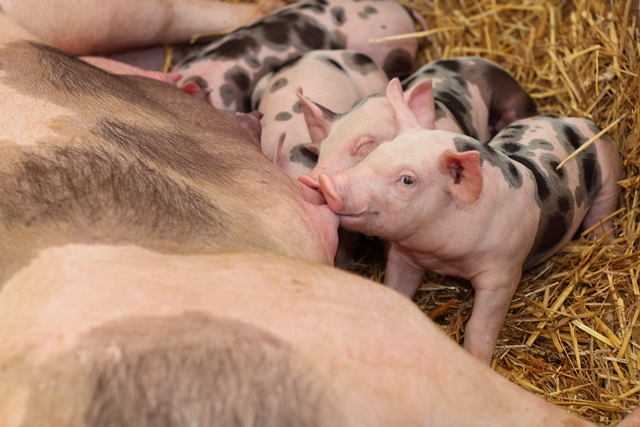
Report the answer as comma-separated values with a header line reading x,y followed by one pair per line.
x,y
453,205
337,78
467,95
228,69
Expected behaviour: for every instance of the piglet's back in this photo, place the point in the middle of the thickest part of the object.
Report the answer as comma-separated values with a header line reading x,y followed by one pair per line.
x,y
584,191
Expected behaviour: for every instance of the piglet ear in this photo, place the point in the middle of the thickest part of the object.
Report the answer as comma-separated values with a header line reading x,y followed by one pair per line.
x,y
313,147
419,98
277,155
405,119
464,172
318,118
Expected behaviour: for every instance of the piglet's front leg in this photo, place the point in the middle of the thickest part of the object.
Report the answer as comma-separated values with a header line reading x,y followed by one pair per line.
x,y
401,273
493,295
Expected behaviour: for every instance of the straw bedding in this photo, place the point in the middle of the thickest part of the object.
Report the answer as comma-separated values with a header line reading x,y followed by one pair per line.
x,y
572,334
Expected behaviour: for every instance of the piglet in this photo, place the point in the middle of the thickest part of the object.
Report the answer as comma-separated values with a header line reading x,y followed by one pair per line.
x,y
467,95
453,205
232,65
337,78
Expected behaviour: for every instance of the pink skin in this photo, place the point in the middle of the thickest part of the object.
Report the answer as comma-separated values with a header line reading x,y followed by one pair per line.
x,y
105,28
343,142
446,213
415,377
117,67
632,420
335,88
250,122
152,58
324,221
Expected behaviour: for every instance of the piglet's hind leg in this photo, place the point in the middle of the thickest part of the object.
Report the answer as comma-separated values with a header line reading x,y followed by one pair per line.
x,y
606,201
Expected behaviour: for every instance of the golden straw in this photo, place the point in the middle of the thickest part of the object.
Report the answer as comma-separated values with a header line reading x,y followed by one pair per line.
x,y
415,35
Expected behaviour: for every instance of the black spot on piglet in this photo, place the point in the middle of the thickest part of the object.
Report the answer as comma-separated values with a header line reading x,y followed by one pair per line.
x,y
573,137
338,15
510,172
332,62
450,64
541,180
236,47
300,154
551,229
369,10
279,84
283,116
398,63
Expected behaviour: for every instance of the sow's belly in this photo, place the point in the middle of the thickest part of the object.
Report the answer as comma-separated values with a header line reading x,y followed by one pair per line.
x,y
92,157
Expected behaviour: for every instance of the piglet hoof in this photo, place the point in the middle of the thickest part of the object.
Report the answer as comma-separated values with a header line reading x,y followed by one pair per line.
x,y
309,181
328,189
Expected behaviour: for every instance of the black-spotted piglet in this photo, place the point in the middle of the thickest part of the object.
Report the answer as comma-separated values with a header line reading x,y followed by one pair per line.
x,y
467,95
453,205
229,68
338,78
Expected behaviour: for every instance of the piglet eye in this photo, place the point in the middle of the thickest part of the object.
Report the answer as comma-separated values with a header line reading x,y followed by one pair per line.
x,y
407,180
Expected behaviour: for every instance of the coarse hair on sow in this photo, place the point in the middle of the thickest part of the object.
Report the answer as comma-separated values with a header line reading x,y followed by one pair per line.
x,y
188,370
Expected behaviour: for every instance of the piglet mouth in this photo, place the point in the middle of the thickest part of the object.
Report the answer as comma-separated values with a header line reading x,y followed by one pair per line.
x,y
358,222
312,196
358,215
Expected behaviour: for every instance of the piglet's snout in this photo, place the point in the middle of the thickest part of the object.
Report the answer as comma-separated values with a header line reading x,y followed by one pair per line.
x,y
310,180
331,195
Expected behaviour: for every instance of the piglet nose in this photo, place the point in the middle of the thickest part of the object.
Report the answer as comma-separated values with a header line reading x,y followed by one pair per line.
x,y
310,180
331,195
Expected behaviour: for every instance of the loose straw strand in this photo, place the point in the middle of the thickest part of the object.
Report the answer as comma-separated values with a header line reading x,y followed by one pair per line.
x,y
589,142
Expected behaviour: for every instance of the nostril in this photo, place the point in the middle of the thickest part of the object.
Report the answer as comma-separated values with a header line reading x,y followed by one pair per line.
x,y
330,194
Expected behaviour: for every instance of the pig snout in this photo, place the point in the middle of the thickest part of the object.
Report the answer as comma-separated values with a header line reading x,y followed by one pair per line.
x,y
331,195
310,180
330,165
